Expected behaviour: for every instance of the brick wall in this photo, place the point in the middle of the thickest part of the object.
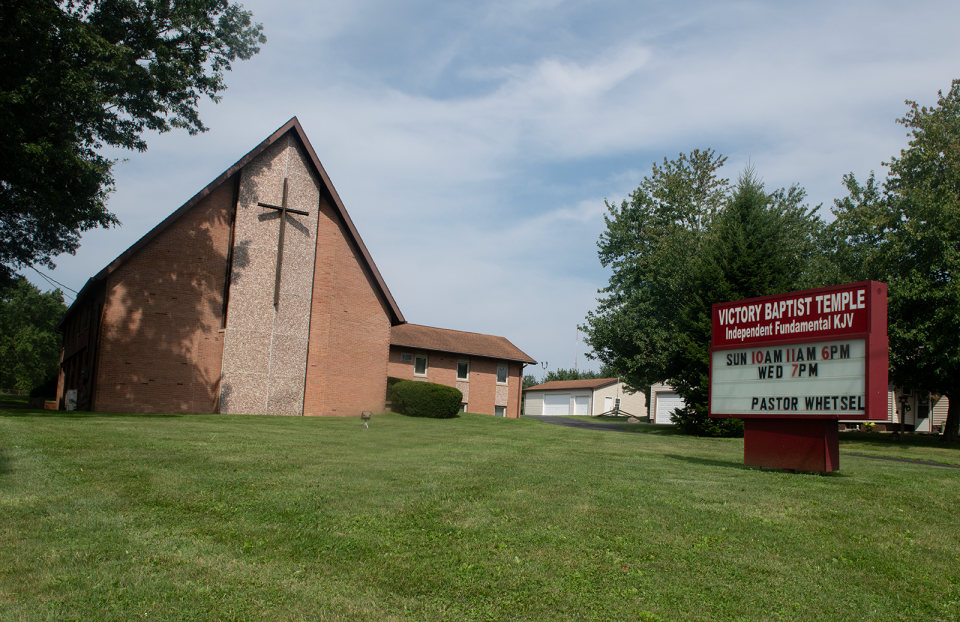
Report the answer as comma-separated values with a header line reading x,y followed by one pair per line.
x,y
442,369
349,328
161,349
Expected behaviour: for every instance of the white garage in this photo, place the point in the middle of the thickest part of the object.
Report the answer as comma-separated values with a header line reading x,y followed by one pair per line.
x,y
554,405
664,401
584,398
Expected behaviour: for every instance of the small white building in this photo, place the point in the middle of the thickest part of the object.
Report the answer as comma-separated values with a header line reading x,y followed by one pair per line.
x,y
583,397
663,401
925,412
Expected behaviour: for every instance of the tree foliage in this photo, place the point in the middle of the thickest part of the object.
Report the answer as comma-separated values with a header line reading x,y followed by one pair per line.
x,y
685,240
81,74
29,341
573,374
906,232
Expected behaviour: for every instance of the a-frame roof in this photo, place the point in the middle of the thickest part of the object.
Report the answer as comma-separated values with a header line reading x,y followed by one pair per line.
x,y
293,125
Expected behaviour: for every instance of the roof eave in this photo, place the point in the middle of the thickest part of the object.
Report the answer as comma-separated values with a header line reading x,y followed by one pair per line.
x,y
292,124
527,361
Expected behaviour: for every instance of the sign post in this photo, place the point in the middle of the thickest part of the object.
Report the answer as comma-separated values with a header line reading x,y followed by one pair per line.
x,y
792,365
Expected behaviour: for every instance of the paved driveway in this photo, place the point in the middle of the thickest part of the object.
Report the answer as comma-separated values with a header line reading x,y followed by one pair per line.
x,y
583,425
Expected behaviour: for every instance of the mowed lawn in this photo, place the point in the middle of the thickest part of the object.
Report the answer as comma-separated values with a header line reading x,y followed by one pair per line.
x,y
123,517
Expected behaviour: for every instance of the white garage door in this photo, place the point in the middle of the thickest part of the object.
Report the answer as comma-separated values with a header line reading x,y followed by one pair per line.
x,y
556,404
582,406
666,404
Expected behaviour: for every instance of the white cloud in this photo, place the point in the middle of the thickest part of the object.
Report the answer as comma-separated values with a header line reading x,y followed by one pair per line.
x,y
492,132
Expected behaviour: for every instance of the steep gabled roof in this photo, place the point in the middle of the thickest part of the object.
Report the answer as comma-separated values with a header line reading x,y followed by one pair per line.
x,y
456,342
293,125
593,383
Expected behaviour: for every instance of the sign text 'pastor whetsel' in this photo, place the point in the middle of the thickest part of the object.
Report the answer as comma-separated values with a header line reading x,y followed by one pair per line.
x,y
819,378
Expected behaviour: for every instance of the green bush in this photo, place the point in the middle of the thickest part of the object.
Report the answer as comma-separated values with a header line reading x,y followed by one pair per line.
x,y
691,422
47,389
425,399
390,382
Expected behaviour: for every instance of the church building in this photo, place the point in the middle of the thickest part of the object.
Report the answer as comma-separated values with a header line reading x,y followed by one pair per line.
x,y
257,296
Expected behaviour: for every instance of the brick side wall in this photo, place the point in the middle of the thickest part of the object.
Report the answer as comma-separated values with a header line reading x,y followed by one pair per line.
x,y
349,329
161,349
483,387
78,354
515,383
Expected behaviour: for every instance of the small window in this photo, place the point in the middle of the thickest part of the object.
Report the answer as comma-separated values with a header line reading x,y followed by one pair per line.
x,y
500,411
501,374
406,357
463,370
420,365
463,408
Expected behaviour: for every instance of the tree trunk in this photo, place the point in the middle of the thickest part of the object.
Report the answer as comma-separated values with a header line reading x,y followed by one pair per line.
x,y
951,429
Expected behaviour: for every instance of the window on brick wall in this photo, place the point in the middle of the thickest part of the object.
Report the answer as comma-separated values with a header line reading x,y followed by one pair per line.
x,y
406,357
463,370
463,408
502,374
420,365
500,411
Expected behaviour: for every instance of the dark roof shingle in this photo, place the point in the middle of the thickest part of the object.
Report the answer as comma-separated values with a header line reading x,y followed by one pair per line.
x,y
456,341
593,383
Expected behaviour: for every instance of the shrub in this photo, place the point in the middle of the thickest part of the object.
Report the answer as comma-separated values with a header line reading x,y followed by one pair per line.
x,y
692,422
390,382
425,399
47,389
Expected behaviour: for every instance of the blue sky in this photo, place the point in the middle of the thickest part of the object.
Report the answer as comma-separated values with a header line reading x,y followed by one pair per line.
x,y
474,143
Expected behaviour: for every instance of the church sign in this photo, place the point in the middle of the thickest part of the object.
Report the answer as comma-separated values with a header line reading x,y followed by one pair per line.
x,y
810,355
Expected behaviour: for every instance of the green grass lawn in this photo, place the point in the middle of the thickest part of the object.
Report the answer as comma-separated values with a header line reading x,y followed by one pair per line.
x,y
120,517
10,398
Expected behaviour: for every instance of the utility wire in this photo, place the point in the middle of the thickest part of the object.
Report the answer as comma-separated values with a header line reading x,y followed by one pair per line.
x,y
55,282
51,279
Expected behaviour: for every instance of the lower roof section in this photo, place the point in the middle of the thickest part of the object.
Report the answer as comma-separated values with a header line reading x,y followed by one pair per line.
x,y
456,342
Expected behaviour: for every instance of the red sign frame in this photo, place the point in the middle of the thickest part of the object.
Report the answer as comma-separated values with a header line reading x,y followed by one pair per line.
x,y
850,311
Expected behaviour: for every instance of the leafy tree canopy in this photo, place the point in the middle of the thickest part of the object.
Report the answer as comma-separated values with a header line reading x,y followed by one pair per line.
x,y
906,232
29,341
81,74
573,374
685,240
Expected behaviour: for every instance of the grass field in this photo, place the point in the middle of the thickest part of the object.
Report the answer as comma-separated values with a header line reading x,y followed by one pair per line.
x,y
120,517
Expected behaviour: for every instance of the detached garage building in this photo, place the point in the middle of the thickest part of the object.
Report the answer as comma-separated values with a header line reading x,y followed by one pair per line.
x,y
663,401
583,397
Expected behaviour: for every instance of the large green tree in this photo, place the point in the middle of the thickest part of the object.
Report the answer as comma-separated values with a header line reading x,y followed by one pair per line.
x,y
81,74
650,243
29,341
684,241
906,232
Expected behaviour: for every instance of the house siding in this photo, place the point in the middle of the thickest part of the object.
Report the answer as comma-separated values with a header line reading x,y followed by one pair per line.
x,y
630,403
484,393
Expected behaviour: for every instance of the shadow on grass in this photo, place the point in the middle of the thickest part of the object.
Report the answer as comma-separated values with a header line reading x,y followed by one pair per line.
x,y
706,462
742,467
457,416
6,465
660,429
82,414
877,439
